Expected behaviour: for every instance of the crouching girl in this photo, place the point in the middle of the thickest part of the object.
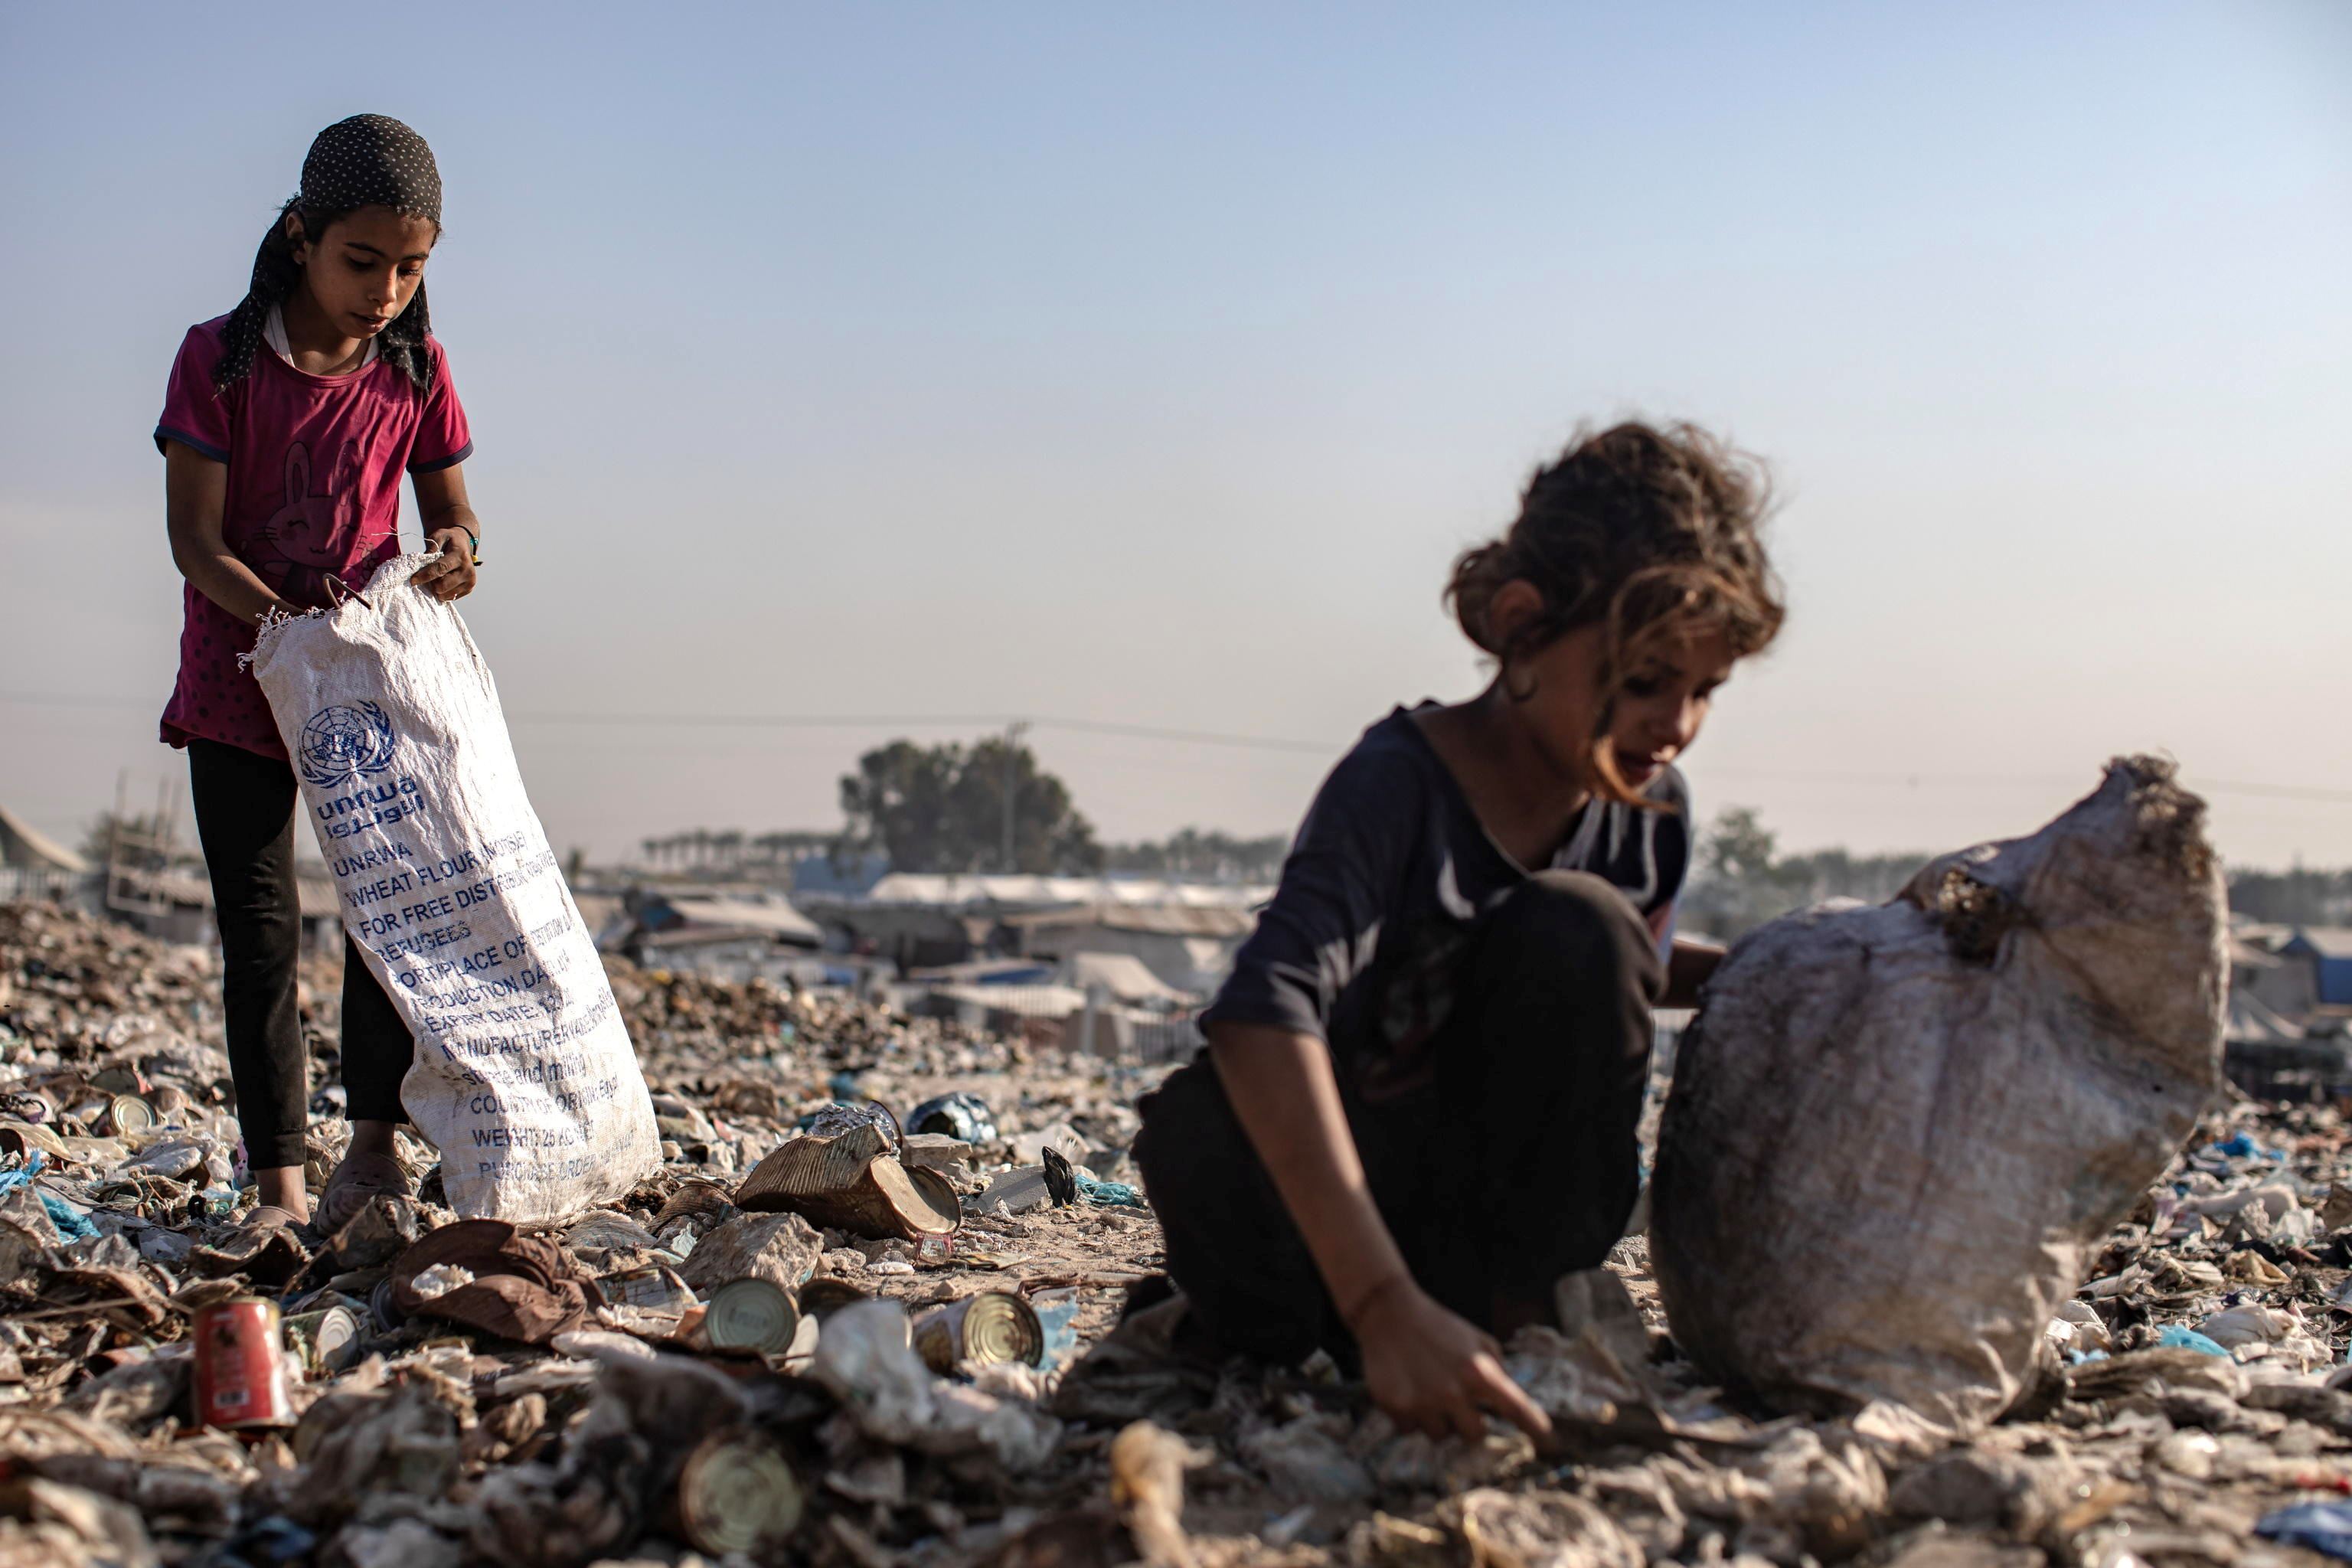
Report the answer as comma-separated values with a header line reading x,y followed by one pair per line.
x,y
1419,1104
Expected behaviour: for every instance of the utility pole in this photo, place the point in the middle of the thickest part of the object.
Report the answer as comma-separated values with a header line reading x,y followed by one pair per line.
x,y
1012,733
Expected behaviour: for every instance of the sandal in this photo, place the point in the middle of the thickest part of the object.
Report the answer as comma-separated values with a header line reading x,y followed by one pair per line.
x,y
358,1180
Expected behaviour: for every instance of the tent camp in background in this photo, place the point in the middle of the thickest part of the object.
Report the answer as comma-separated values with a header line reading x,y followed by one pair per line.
x,y
33,865
1184,932
22,848
1122,978
725,936
2328,950
1186,948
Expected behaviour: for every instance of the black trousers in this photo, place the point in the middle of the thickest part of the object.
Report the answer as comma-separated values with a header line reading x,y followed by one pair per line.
x,y
244,806
1517,1164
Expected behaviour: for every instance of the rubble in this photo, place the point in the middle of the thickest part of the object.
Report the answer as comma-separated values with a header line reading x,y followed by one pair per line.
x,y
471,1392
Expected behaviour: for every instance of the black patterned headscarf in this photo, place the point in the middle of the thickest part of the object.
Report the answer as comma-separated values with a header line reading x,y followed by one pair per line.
x,y
369,160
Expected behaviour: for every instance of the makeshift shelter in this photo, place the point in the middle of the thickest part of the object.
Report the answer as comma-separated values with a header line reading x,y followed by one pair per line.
x,y
1187,948
2329,949
23,848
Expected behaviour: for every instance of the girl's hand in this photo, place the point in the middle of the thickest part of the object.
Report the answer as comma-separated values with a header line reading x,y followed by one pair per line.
x,y
1432,1371
452,575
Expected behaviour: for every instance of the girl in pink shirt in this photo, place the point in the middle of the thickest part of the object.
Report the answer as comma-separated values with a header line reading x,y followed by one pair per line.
x,y
287,426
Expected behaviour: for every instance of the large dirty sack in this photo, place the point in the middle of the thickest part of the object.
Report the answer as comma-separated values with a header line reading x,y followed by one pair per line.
x,y
1895,1131
523,1077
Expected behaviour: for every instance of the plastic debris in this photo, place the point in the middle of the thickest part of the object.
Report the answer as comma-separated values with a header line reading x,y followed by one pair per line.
x,y
962,1115
2173,1336
2320,1526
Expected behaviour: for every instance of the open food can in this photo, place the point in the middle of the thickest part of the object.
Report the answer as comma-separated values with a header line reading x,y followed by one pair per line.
x,y
751,1315
737,1493
990,1327
323,1341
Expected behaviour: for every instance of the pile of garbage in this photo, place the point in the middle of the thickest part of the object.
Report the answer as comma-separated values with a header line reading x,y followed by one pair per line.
x,y
868,1311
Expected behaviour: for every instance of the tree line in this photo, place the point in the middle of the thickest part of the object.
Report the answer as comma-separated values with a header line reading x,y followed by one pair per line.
x,y
988,807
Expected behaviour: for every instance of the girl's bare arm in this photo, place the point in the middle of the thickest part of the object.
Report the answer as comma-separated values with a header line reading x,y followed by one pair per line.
x,y
195,495
451,527
1426,1367
1688,967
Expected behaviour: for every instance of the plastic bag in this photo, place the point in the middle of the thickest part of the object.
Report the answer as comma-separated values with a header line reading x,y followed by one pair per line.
x,y
1895,1131
523,1075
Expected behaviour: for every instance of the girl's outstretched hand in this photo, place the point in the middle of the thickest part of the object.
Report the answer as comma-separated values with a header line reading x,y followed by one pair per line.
x,y
1434,1372
452,575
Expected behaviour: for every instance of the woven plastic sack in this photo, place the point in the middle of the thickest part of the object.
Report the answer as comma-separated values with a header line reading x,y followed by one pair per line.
x,y
1896,1133
523,1075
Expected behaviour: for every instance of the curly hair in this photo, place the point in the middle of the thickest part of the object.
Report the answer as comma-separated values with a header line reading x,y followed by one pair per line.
x,y
1653,534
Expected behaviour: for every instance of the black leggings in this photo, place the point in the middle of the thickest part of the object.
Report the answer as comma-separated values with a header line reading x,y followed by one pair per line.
x,y
1517,1164
245,817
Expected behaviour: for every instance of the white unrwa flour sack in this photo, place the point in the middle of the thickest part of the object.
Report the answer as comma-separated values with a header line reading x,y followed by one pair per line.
x,y
524,1076
1895,1132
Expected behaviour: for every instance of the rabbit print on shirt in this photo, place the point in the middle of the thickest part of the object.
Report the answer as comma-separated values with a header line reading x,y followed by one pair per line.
x,y
313,537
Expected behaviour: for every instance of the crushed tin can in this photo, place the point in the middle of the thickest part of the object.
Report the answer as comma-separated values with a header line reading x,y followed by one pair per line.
x,y
737,1493
241,1365
649,1301
170,1100
935,1251
961,1115
326,1341
655,1289
990,1327
751,1315
127,1114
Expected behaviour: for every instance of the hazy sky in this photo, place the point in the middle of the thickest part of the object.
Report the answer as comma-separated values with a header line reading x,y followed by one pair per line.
x,y
1148,366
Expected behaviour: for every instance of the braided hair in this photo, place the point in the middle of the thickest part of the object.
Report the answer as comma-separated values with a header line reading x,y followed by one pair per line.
x,y
369,160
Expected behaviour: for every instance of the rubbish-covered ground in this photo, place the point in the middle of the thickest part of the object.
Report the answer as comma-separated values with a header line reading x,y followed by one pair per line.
x,y
460,1396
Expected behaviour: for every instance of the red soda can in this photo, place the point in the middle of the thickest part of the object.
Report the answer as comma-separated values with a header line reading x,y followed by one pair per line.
x,y
241,1365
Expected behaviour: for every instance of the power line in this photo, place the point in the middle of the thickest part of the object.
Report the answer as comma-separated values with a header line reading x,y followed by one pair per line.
x,y
995,722
985,722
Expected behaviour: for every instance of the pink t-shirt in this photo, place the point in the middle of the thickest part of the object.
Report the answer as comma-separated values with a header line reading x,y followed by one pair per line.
x,y
314,468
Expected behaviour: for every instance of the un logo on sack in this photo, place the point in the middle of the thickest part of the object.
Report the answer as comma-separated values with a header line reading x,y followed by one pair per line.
x,y
341,742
